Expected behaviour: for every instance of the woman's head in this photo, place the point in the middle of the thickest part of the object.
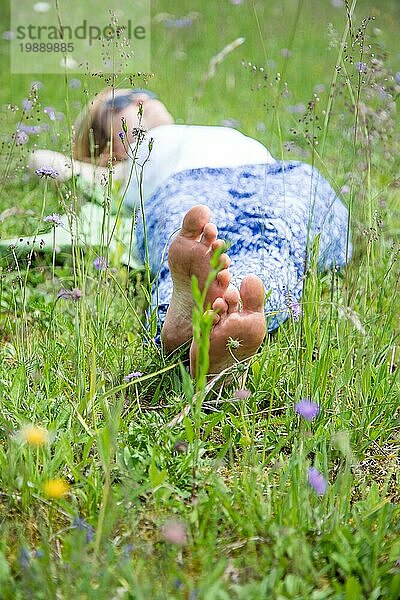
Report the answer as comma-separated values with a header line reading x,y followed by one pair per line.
x,y
101,119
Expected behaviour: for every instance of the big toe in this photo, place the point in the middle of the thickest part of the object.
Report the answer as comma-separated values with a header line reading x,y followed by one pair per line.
x,y
252,293
195,220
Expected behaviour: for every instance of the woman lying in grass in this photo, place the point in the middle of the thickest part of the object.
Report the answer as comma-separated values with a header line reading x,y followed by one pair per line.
x,y
269,212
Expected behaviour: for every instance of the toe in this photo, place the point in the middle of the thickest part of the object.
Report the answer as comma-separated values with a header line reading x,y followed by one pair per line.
x,y
209,234
252,294
195,221
217,244
224,261
220,306
232,299
224,278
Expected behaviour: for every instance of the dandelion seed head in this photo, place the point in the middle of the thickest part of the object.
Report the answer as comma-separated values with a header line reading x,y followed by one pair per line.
x,y
34,436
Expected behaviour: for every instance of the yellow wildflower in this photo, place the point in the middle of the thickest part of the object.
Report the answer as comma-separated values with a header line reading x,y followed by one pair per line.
x,y
34,435
55,488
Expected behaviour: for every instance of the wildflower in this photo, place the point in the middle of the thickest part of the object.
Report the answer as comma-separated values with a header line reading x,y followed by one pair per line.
x,y
75,84
179,23
100,263
24,558
121,135
361,67
296,108
286,53
34,435
133,375
345,189
242,394
50,112
82,525
74,294
307,409
55,488
47,172
33,129
54,218
27,104
397,77
295,308
317,481
21,137
230,123
175,532
8,35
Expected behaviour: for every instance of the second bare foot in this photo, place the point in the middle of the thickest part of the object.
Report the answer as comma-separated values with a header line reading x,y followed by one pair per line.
x,y
237,332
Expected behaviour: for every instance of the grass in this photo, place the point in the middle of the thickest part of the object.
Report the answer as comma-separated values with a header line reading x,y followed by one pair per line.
x,y
174,490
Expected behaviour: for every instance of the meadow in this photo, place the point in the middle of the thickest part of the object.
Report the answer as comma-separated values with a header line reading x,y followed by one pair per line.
x,y
122,477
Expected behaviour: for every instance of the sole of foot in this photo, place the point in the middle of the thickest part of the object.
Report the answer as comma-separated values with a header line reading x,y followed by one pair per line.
x,y
190,254
239,326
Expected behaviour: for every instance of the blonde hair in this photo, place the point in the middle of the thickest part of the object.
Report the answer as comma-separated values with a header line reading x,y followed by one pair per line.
x,y
92,129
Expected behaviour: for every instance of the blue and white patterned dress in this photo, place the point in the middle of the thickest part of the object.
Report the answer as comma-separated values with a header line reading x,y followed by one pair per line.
x,y
269,213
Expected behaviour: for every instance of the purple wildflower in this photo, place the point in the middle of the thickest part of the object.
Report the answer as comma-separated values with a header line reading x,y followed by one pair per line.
x,y
286,53
307,409
242,394
8,35
230,123
296,108
100,263
75,84
82,525
397,77
345,189
74,294
179,23
50,112
33,129
317,481
295,308
47,172
361,67
133,375
121,135
21,137
36,85
27,104
54,218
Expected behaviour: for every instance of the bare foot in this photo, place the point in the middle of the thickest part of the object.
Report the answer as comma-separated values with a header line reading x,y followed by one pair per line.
x,y
242,330
190,254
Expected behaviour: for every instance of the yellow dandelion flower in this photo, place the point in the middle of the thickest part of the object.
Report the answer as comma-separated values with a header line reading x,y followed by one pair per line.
x,y
55,488
34,436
